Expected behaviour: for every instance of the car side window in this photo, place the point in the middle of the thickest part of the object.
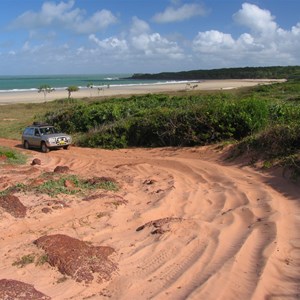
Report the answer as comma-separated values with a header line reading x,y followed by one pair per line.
x,y
29,131
43,131
36,132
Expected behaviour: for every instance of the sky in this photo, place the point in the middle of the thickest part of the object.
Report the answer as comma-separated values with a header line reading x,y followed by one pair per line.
x,y
146,36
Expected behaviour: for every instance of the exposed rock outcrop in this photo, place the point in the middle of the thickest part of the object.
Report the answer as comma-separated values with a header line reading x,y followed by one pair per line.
x,y
13,289
13,206
76,258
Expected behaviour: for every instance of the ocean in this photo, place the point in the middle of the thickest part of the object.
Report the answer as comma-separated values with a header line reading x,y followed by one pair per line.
x,y
61,82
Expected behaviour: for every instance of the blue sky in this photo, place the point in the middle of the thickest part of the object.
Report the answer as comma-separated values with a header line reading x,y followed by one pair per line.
x,y
145,36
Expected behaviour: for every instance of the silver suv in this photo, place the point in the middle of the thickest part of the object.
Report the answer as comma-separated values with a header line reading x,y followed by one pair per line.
x,y
45,137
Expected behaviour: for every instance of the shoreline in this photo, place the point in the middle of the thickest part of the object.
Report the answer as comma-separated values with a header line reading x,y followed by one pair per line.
x,y
225,84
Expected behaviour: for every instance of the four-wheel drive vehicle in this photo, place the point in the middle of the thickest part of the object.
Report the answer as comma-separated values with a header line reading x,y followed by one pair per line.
x,y
45,137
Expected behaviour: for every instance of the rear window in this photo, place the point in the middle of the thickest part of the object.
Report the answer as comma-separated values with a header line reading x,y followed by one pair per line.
x,y
29,131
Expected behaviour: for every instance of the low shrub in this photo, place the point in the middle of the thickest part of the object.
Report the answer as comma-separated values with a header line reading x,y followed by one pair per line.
x,y
265,118
276,141
198,124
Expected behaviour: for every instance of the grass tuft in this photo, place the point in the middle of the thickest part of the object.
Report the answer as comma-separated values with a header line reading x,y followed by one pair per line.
x,y
12,156
57,186
24,260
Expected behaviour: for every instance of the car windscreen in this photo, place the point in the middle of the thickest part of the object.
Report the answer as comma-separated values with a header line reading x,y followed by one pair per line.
x,y
47,130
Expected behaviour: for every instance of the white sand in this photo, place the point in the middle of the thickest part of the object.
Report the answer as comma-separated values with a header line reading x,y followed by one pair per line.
x,y
34,97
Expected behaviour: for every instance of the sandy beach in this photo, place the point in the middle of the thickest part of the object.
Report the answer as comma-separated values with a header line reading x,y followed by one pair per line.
x,y
183,225
35,97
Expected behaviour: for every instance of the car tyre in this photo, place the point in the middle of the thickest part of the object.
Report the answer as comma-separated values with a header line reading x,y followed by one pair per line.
x,y
26,145
44,148
66,147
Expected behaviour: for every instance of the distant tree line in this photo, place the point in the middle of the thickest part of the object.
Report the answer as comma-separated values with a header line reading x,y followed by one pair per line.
x,y
276,72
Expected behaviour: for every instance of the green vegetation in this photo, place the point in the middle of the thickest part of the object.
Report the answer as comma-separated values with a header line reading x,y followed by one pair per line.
x,y
12,156
45,89
72,89
29,259
264,120
15,117
227,73
24,260
66,184
13,189
55,186
42,260
161,120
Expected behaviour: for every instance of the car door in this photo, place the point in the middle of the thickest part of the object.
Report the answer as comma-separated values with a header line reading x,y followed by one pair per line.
x,y
36,138
28,135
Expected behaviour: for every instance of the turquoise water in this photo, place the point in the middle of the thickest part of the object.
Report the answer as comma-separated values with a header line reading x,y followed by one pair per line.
x,y
27,83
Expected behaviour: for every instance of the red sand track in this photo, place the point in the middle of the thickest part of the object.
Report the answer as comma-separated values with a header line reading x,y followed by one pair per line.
x,y
211,231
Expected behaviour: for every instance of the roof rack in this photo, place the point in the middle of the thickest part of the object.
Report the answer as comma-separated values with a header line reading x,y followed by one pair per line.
x,y
40,124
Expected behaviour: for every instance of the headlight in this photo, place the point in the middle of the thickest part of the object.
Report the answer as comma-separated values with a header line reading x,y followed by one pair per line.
x,y
51,140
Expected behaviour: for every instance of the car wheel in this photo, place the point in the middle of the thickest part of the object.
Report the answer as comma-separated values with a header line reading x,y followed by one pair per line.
x,y
26,145
44,148
66,147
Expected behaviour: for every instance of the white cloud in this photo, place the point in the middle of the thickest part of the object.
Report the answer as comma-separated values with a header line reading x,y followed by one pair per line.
x,y
296,29
266,44
139,26
100,20
213,40
181,13
110,44
64,15
141,49
258,20
143,41
155,45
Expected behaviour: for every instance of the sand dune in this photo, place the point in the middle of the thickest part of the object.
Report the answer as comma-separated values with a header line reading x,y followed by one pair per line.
x,y
206,229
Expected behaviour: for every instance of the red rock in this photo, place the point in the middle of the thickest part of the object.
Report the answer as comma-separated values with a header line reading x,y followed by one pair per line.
x,y
76,258
36,161
61,169
17,290
13,206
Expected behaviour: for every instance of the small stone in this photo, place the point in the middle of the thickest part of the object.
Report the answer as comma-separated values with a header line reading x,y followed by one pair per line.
x,y
46,210
36,161
61,169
